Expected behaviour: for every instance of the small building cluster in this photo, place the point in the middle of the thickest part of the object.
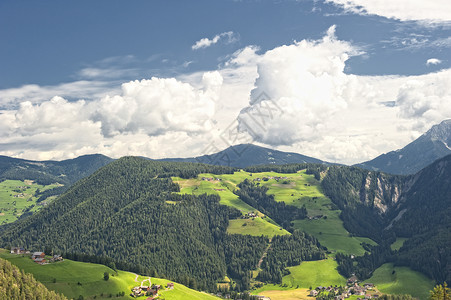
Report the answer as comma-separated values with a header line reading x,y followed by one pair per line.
x,y
249,215
19,250
351,288
37,257
210,179
277,178
150,291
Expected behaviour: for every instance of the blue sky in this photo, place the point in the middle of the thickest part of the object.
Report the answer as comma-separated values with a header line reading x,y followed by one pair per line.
x,y
74,56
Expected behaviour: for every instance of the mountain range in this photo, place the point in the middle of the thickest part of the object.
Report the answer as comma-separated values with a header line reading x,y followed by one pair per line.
x,y
65,172
432,145
245,155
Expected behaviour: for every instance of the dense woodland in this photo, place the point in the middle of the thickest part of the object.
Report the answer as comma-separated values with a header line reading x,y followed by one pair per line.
x,y
17,285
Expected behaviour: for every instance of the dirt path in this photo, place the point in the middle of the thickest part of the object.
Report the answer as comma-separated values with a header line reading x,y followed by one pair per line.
x,y
264,254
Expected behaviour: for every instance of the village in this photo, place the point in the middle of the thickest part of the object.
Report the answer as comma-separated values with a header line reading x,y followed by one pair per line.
x,y
367,290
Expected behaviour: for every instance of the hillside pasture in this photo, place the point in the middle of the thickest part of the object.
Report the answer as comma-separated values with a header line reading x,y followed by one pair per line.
x,y
75,279
401,280
17,196
255,227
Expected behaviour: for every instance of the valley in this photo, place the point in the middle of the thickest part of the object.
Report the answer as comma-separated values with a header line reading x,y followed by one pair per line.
x,y
269,230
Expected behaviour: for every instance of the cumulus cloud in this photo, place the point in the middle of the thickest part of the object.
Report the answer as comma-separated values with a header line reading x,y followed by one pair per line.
x,y
433,61
306,81
229,36
146,111
295,97
10,98
404,10
311,106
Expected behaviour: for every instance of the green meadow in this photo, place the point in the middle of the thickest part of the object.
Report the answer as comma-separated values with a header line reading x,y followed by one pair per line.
x,y
224,188
307,274
297,189
256,227
17,196
73,279
401,280
314,273
398,243
303,189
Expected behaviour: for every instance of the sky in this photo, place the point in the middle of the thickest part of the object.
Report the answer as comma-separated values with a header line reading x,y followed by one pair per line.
x,y
339,80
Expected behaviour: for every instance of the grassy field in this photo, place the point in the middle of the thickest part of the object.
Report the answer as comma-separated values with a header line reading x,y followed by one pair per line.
x,y
255,227
73,279
401,280
398,243
314,273
307,274
16,196
287,294
297,189
303,189
331,233
224,188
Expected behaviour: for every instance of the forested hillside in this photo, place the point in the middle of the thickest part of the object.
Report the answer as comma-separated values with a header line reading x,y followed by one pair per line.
x,y
17,285
128,212
386,207
65,172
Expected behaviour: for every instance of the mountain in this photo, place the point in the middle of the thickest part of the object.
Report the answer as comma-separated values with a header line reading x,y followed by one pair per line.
x,y
66,172
246,155
432,145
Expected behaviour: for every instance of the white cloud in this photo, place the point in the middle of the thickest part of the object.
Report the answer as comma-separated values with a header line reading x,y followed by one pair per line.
x,y
9,98
142,116
433,61
315,109
405,10
319,110
230,37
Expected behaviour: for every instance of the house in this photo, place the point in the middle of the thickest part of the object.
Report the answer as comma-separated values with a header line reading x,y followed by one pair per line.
x,y
313,293
368,285
352,279
57,258
39,260
136,291
18,250
170,285
36,255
